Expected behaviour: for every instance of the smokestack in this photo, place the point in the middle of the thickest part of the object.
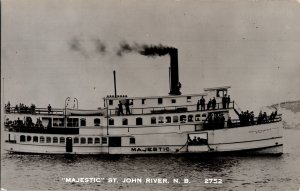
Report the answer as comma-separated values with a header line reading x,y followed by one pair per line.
x,y
175,84
156,50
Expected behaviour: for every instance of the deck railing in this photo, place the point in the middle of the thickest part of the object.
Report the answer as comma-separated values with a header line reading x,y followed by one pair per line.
x,y
40,111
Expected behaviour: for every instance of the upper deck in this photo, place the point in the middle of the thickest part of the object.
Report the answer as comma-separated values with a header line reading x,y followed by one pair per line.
x,y
166,104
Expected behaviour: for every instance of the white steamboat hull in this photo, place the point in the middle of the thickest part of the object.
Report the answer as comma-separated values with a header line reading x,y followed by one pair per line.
x,y
258,139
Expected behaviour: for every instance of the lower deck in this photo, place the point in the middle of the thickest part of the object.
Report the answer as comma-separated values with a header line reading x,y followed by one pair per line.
x,y
192,141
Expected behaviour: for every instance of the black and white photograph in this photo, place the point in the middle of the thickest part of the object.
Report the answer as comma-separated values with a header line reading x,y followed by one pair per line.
x,y
150,95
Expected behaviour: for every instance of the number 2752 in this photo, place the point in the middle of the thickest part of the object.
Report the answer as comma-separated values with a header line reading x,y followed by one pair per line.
x,y
213,181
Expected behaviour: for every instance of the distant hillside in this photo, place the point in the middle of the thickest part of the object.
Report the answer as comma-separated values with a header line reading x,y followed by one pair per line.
x,y
294,106
290,111
291,105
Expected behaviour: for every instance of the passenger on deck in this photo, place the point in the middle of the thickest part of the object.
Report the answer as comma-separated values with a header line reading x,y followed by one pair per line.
x,y
127,107
202,103
229,122
49,109
265,118
32,108
198,105
228,101
120,111
8,107
222,121
209,104
259,118
17,109
214,103
195,140
224,101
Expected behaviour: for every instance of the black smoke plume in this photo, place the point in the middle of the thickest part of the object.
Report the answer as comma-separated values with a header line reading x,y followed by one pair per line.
x,y
76,45
143,49
100,46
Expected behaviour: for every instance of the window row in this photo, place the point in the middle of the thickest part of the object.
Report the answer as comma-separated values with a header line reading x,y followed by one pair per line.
x,y
162,119
76,140
72,122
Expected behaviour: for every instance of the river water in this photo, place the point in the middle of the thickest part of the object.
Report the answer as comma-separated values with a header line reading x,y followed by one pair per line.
x,y
47,172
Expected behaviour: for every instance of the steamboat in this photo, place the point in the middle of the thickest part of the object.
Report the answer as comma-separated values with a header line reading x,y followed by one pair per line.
x,y
208,122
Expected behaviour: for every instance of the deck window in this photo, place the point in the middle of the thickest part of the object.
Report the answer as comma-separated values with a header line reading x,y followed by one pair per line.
x,y
35,139
182,118
143,101
97,122
160,119
160,100
82,140
90,140
104,140
175,119
42,139
153,120
22,138
48,139
168,119
197,117
62,140
58,122
132,140
110,102
204,115
72,122
55,140
82,122
173,100
125,121
97,140
76,140
139,121
190,118
111,122
28,138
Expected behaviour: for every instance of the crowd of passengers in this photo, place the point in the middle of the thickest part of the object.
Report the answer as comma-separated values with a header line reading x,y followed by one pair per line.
x,y
196,141
215,120
22,108
212,103
247,118
16,125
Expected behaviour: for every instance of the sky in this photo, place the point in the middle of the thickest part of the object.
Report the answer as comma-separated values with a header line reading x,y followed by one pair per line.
x,y
53,49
